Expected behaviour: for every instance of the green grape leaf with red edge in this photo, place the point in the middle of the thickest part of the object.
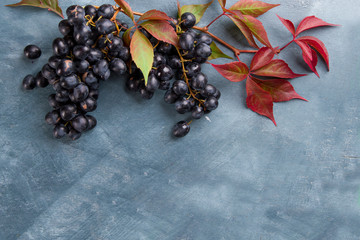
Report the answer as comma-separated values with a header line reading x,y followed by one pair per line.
x,y
161,30
244,30
252,8
216,52
142,53
280,90
197,10
127,9
276,68
259,100
51,5
234,71
154,15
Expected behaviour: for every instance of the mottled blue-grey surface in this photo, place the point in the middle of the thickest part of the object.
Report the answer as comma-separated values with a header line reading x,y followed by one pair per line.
x,y
236,177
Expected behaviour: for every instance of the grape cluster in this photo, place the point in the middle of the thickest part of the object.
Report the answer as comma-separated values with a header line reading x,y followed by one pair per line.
x,y
90,49
190,91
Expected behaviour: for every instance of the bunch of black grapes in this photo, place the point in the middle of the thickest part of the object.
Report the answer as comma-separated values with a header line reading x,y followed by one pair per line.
x,y
190,91
90,49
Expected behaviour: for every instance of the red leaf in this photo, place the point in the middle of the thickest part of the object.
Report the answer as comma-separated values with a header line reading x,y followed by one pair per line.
x,y
311,22
126,7
276,68
261,58
318,46
245,31
288,24
222,3
305,49
259,100
161,30
313,62
252,8
154,15
234,71
280,90
142,53
257,29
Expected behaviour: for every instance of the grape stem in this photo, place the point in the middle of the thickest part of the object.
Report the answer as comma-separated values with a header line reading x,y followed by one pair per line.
x,y
207,27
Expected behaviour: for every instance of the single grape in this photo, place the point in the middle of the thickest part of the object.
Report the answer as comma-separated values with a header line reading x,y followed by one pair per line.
x,y
203,50
211,103
88,105
106,11
199,81
29,82
32,51
181,129
80,123
186,41
180,87
197,112
92,122
118,66
60,130
68,112
52,117
60,47
188,20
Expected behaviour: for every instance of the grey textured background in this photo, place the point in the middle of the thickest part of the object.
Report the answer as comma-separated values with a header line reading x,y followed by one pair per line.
x,y
236,177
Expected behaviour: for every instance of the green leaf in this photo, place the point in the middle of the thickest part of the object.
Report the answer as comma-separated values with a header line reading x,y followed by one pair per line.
x,y
142,53
161,30
127,9
126,36
216,52
51,5
252,8
197,10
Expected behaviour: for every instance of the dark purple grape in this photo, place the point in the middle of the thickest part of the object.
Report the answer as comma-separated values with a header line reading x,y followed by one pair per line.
x,y
32,51
181,129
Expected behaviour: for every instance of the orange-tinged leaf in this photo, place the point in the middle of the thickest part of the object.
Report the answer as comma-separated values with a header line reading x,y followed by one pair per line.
x,y
252,8
216,52
142,53
311,22
280,90
234,71
313,62
161,30
276,68
288,24
178,7
318,46
257,29
261,58
222,3
259,100
126,36
154,15
127,9
197,10
245,31
51,5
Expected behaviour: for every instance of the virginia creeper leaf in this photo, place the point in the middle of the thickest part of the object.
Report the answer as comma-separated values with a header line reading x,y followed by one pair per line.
x,y
252,8
259,100
311,22
245,31
126,7
142,53
197,10
313,62
288,24
222,3
261,58
318,46
154,15
234,71
51,5
276,68
305,49
178,7
126,36
161,30
280,90
216,52
257,29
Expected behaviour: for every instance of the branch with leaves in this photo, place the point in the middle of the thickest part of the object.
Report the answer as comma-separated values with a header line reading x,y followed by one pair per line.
x,y
266,77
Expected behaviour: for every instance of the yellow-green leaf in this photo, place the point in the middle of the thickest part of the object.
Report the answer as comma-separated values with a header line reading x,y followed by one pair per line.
x,y
51,5
197,10
216,52
142,53
252,8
